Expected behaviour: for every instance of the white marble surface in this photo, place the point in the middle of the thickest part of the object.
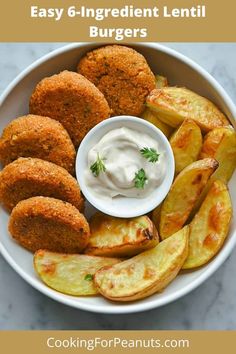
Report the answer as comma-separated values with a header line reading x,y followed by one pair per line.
x,y
211,306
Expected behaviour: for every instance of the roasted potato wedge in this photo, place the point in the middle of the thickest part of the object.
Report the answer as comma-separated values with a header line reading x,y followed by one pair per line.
x,y
186,143
161,81
146,273
156,215
183,195
116,237
152,117
220,144
70,273
174,104
210,226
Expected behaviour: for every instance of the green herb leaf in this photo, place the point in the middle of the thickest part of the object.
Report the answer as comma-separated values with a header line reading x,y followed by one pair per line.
x,y
88,277
140,179
98,166
150,154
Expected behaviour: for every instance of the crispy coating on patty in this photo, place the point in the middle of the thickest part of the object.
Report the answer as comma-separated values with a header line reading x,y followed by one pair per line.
x,y
72,100
30,177
122,75
37,136
49,223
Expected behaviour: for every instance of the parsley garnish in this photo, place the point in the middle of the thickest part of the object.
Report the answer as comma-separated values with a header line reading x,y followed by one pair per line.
x,y
150,154
140,179
88,277
98,166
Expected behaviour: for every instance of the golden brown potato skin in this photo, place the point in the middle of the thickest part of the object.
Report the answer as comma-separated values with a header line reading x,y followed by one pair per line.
x,y
175,104
209,227
152,117
220,144
40,137
49,223
116,237
29,177
156,216
184,194
72,100
146,273
122,75
186,143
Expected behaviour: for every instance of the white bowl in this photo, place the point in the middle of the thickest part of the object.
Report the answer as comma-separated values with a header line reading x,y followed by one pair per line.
x,y
122,206
180,71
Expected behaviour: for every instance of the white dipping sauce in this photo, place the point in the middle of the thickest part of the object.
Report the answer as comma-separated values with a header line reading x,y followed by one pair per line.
x,y
120,152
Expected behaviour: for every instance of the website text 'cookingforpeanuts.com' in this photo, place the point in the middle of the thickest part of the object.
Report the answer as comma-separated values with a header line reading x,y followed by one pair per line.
x,y
91,344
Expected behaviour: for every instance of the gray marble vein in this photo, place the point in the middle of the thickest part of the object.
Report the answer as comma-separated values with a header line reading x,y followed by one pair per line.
x,y
211,306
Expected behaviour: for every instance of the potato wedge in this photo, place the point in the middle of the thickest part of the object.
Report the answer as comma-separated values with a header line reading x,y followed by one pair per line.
x,y
70,273
156,216
152,117
174,104
161,81
116,237
210,226
183,194
220,144
186,144
146,273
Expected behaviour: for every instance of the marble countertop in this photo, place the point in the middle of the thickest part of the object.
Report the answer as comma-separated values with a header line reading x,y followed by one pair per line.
x,y
211,306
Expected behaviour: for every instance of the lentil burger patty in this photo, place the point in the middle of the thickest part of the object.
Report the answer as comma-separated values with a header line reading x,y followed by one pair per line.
x,y
40,137
122,75
30,177
72,100
48,223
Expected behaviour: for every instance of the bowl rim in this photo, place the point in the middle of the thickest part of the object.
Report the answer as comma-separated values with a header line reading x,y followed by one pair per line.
x,y
132,307
93,199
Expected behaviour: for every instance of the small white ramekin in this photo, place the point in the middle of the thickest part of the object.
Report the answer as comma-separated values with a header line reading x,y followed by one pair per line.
x,y
121,206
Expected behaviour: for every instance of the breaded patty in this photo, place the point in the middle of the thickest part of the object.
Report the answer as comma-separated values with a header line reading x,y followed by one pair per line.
x,y
37,136
122,75
30,177
50,224
72,100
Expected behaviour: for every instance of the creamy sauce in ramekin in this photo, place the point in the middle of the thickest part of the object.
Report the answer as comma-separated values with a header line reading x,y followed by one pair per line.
x,y
119,166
